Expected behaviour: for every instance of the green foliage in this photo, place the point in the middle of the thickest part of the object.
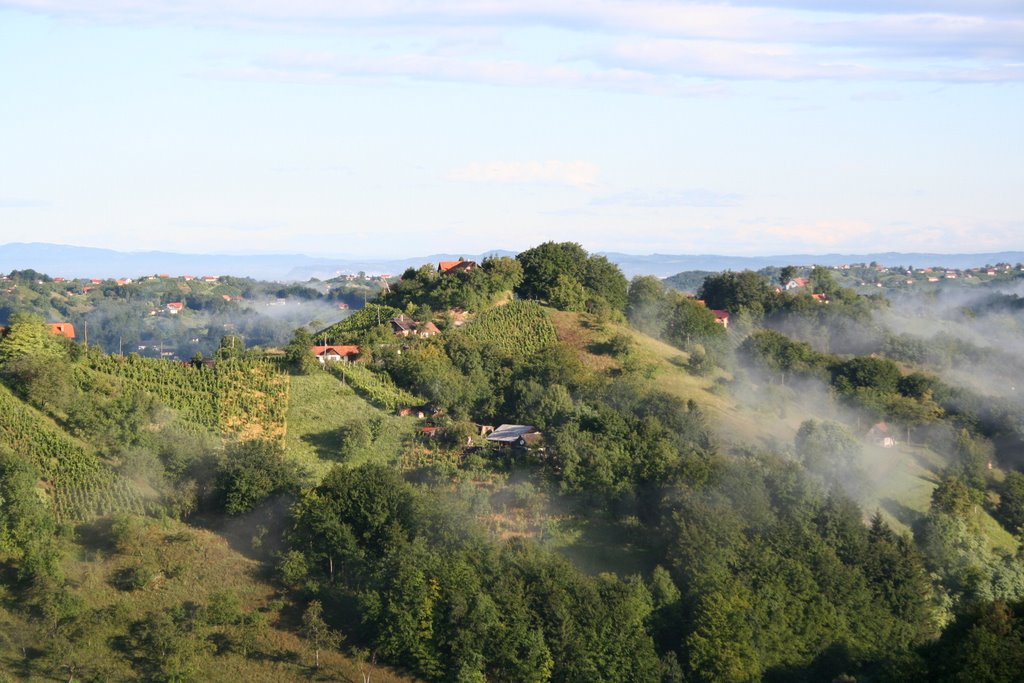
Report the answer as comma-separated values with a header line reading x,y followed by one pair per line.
x,y
687,320
631,441
376,387
774,578
318,634
828,450
164,649
82,486
778,354
253,471
699,363
823,281
564,274
244,399
735,292
986,643
568,294
879,374
26,523
436,600
299,353
28,337
355,328
1011,501
473,289
517,330
679,320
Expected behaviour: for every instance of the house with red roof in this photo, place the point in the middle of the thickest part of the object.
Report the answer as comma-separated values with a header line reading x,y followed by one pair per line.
x,y
797,283
334,354
721,317
403,326
175,307
66,330
881,435
456,266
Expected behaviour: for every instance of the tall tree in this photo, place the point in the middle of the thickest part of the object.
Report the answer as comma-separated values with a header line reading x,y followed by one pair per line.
x,y
319,636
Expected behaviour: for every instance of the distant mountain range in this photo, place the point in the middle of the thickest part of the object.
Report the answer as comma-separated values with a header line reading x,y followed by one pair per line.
x,y
73,262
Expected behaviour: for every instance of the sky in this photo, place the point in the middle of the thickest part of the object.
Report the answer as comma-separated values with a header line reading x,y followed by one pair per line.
x,y
394,128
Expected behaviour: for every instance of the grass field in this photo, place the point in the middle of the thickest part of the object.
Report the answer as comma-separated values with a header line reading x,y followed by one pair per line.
x,y
320,407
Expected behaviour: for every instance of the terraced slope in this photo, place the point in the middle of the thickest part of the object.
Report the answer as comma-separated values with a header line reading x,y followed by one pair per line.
x,y
237,399
79,485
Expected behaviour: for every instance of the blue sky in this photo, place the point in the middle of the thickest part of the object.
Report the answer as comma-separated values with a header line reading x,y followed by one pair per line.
x,y
405,127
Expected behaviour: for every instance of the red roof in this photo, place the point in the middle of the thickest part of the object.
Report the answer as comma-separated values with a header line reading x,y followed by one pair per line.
x,y
720,314
343,351
461,264
176,305
62,329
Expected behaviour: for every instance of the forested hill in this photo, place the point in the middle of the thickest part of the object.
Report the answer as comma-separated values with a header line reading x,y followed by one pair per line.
x,y
526,469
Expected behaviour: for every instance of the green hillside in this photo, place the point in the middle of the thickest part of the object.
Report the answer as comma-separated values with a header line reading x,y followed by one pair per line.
x,y
78,485
597,480
242,399
515,330
326,417
160,600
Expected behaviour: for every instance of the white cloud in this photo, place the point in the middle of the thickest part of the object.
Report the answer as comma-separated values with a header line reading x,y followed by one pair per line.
x,y
636,44
578,174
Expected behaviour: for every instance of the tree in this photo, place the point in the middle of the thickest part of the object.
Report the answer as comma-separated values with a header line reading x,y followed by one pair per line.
x,y
824,282
568,295
231,346
985,643
560,272
252,471
776,352
645,305
505,273
299,352
318,634
829,450
880,374
690,321
28,337
163,649
605,281
1011,501
787,273
735,292
543,264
